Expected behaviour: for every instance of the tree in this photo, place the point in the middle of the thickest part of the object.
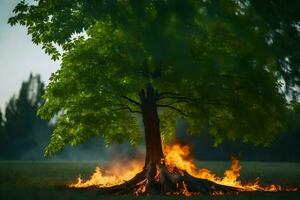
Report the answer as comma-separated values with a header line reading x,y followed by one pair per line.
x,y
208,62
2,134
1,123
283,18
24,131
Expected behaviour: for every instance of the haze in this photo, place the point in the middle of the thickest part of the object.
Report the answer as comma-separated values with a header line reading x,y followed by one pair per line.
x,y
18,55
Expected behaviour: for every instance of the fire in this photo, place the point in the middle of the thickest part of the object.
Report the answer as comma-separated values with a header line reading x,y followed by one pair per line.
x,y
177,159
141,187
117,174
179,156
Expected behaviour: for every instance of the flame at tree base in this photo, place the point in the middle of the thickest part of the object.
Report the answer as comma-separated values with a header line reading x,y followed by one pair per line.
x,y
177,176
117,174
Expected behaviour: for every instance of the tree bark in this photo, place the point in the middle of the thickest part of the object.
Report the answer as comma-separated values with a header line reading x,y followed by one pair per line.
x,y
154,151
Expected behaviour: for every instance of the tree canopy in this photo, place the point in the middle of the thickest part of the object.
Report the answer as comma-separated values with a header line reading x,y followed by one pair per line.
x,y
225,66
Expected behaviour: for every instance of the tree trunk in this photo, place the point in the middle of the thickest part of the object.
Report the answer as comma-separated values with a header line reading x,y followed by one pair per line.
x,y
154,152
155,178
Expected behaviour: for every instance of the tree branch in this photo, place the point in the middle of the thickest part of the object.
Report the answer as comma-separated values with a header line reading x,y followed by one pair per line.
x,y
174,108
183,99
125,107
131,100
179,98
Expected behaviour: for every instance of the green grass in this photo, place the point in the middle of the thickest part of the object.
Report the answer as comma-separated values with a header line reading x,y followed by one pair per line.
x,y
44,180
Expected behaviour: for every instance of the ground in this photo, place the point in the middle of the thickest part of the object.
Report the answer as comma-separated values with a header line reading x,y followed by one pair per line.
x,y
43,180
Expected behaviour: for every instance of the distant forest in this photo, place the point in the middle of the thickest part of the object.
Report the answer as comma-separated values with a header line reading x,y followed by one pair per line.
x,y
23,136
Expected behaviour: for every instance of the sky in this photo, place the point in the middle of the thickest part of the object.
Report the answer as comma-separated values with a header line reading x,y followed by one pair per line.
x,y
19,56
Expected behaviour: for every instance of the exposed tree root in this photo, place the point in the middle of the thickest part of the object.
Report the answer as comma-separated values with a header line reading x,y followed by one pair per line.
x,y
163,181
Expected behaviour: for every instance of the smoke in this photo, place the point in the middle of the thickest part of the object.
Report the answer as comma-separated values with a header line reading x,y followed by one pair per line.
x,y
93,149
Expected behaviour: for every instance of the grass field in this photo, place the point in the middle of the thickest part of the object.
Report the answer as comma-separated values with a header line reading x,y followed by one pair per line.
x,y
43,180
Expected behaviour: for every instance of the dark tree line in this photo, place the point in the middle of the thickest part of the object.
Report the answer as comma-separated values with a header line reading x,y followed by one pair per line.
x,y
23,134
284,148
1,124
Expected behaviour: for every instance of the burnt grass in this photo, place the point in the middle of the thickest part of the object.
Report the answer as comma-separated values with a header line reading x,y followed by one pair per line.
x,y
46,180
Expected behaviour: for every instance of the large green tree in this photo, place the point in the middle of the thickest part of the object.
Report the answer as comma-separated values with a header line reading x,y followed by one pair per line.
x,y
211,63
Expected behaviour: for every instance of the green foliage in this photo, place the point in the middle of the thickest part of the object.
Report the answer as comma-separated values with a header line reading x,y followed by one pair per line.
x,y
212,63
88,89
283,38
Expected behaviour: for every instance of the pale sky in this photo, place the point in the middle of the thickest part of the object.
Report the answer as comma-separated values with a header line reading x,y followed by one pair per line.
x,y
18,56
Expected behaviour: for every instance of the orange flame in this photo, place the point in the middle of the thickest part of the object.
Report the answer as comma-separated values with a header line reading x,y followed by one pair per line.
x,y
141,187
117,174
176,157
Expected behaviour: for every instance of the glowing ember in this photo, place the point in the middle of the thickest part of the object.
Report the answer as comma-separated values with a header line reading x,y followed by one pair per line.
x,y
141,187
177,159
